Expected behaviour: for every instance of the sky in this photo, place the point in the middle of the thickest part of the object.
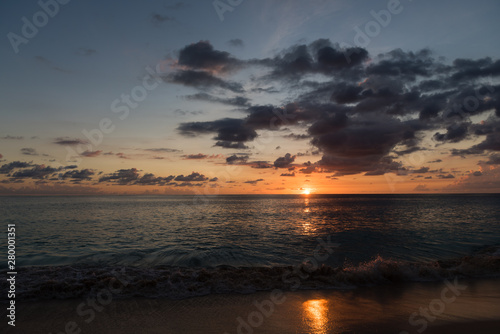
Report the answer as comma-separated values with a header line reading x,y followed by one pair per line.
x,y
249,97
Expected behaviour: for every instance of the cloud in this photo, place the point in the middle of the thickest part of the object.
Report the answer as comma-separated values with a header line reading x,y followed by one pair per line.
x,y
454,133
233,145
230,131
28,151
284,162
162,150
9,167
8,137
121,177
84,174
193,177
69,141
195,156
494,159
237,159
37,172
466,69
360,112
158,18
202,79
238,101
150,179
288,174
202,56
421,170
487,181
448,176
236,42
91,154
253,182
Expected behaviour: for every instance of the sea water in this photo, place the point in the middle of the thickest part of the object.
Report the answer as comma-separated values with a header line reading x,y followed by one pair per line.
x,y
181,246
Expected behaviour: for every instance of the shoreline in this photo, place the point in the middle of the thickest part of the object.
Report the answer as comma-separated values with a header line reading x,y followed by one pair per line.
x,y
471,304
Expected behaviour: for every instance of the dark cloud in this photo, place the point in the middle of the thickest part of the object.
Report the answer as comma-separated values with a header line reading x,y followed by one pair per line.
x,y
121,177
288,174
233,145
360,112
491,143
229,131
162,150
37,172
202,79
284,162
7,168
297,137
320,56
448,176
421,170
84,174
467,69
454,133
259,164
253,182
237,159
202,56
69,141
408,65
195,156
238,101
494,159
150,179
193,177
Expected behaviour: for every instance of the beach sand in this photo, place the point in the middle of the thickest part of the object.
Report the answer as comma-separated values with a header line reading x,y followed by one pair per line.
x,y
470,306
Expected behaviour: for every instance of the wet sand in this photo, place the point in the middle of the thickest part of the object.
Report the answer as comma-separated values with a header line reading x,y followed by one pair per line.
x,y
438,307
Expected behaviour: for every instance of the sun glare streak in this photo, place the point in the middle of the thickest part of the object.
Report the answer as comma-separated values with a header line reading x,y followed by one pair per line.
x,y
316,315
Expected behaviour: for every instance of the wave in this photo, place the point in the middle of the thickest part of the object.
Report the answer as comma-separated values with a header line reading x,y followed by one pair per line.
x,y
81,281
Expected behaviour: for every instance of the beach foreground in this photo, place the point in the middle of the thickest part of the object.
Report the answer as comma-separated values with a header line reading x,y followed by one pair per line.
x,y
439,307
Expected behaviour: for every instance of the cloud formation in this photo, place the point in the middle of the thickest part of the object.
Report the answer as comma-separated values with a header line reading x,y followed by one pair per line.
x,y
361,112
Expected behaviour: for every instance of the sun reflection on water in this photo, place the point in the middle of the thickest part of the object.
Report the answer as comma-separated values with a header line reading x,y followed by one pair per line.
x,y
316,315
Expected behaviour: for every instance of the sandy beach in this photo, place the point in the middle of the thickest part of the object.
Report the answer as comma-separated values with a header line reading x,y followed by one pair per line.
x,y
441,307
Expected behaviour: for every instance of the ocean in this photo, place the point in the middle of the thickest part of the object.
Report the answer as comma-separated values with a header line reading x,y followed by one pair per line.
x,y
185,246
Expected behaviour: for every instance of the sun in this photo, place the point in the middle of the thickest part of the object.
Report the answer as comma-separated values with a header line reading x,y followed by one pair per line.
x,y
306,191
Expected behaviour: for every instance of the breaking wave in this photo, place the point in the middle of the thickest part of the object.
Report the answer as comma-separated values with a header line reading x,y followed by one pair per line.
x,y
80,281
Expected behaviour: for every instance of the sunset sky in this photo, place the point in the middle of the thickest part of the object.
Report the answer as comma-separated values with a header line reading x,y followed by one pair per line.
x,y
252,96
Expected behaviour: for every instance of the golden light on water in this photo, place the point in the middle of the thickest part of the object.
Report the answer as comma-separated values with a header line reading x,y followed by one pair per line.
x,y
316,315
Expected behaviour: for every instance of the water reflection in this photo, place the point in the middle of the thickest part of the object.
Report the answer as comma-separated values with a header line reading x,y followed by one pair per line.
x,y
306,225
316,315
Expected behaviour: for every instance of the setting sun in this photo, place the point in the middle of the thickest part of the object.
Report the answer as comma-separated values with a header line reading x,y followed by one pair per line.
x,y
306,191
